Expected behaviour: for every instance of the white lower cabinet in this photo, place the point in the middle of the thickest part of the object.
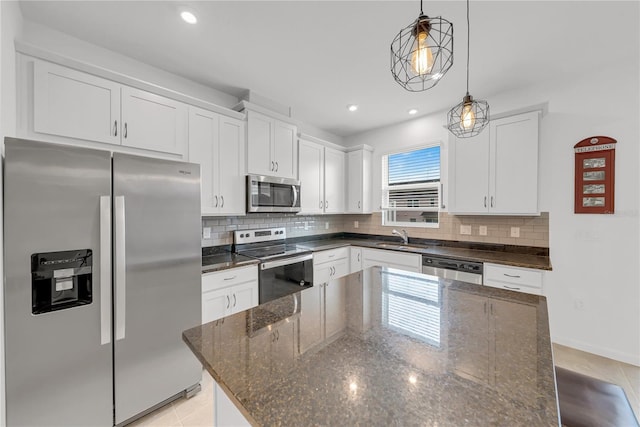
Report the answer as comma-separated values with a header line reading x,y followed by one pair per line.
x,y
229,291
518,279
355,259
391,259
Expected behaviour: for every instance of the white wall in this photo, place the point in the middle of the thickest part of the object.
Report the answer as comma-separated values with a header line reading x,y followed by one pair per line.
x,y
10,28
595,257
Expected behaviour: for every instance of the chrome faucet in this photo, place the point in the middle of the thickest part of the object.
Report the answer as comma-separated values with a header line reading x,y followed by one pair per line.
x,y
403,235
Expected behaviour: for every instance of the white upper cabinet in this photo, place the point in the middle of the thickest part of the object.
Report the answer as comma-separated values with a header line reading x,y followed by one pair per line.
x,y
216,142
359,180
322,178
334,180
496,172
311,164
271,146
72,104
153,122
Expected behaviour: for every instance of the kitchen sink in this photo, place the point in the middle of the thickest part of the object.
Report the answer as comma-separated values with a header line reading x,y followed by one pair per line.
x,y
386,245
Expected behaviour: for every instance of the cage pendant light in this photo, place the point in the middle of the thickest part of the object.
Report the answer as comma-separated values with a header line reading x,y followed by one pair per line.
x,y
422,52
468,118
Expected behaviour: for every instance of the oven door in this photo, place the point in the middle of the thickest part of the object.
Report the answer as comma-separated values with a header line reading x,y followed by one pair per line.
x,y
285,276
270,194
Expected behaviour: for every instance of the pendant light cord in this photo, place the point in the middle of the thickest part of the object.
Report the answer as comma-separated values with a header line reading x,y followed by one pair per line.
x,y
468,43
421,13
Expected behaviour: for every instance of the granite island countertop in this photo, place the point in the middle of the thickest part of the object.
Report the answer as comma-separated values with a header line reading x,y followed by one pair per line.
x,y
407,349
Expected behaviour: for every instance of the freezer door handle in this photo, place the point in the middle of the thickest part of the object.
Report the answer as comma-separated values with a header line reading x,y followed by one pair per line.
x,y
105,270
120,285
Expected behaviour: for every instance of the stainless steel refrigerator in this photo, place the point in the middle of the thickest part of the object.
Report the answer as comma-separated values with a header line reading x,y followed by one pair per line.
x,y
102,274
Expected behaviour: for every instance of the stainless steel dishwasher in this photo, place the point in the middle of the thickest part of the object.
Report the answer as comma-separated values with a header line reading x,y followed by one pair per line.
x,y
449,268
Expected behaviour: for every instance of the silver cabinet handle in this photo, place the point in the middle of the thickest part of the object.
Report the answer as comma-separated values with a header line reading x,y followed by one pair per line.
x,y
326,204
222,201
105,270
491,201
511,275
511,287
332,255
230,278
358,257
125,129
277,335
273,336
277,167
228,301
216,201
234,300
115,128
485,201
272,166
358,204
485,307
120,270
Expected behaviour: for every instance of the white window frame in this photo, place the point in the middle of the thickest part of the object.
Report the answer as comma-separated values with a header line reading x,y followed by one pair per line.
x,y
389,210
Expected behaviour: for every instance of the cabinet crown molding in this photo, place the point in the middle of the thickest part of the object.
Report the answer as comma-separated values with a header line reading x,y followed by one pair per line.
x,y
307,137
244,106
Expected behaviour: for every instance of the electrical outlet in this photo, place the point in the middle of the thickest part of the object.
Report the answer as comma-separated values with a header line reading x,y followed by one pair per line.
x,y
326,225
515,231
578,304
482,230
465,229
306,225
206,233
356,224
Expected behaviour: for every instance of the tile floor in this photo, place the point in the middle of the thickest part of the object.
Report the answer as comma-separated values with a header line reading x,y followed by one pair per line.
x,y
198,411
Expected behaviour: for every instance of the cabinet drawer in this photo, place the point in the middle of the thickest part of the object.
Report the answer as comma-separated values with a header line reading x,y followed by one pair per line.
x,y
230,277
515,276
330,255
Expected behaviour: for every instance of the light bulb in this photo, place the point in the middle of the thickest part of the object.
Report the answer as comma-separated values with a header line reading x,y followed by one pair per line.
x,y
422,57
468,117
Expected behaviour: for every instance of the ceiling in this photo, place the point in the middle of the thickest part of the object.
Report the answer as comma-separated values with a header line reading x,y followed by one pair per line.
x,y
319,56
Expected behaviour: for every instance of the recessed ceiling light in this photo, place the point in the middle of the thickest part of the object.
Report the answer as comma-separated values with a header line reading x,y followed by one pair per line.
x,y
352,107
413,111
188,17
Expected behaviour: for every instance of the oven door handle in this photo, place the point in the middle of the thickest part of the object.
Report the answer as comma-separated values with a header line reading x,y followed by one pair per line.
x,y
286,261
295,196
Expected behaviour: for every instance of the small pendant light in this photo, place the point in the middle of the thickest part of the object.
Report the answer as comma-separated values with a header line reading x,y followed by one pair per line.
x,y
422,53
468,118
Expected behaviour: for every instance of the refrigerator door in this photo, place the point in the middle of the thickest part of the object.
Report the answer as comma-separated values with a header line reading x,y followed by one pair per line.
x,y
157,283
58,362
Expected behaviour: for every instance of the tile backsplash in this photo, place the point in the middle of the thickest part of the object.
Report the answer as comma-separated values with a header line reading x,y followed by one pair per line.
x,y
534,231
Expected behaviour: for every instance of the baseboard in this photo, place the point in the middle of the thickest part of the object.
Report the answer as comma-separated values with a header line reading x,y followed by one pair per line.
x,y
632,359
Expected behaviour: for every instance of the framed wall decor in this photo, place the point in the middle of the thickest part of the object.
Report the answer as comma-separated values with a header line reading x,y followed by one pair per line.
x,y
595,173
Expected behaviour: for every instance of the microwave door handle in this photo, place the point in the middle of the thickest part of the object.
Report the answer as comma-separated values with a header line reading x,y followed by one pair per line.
x,y
295,196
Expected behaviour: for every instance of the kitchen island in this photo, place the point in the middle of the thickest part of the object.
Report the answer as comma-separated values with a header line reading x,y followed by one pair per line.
x,y
410,349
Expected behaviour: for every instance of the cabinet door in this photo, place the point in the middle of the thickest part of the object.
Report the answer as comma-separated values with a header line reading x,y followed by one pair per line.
x,y
311,177
514,165
469,336
354,181
73,104
285,150
243,296
516,349
231,173
215,304
203,140
335,306
469,174
355,259
322,273
311,317
152,122
334,177
259,137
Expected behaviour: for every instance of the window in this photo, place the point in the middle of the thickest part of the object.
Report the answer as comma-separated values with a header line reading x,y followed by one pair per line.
x,y
411,187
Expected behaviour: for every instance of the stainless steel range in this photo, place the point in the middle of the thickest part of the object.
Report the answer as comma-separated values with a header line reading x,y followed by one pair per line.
x,y
284,268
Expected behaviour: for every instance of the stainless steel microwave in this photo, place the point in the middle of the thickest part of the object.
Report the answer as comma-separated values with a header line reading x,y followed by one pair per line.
x,y
272,194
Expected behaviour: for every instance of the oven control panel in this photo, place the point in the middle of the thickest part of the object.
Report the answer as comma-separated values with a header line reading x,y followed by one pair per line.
x,y
261,235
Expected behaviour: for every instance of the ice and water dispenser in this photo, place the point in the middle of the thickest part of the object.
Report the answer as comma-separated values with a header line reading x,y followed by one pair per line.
x,y
60,280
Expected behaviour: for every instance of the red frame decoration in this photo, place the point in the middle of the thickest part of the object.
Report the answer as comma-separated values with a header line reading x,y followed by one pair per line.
x,y
595,173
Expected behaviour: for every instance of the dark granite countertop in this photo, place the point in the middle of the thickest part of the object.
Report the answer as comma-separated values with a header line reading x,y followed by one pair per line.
x,y
404,349
527,260
221,258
